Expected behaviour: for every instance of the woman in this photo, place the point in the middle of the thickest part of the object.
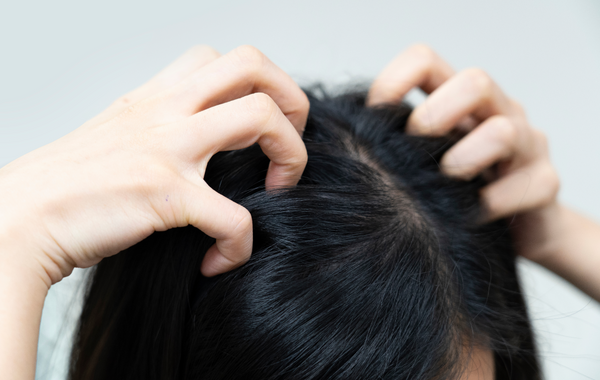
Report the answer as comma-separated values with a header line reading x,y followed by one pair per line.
x,y
374,266
137,168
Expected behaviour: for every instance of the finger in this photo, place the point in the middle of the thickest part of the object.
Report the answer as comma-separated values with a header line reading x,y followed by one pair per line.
x,y
182,67
226,221
470,92
418,66
522,190
494,140
241,123
240,72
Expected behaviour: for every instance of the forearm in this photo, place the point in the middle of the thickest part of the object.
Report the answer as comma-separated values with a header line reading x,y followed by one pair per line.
x,y
22,293
574,251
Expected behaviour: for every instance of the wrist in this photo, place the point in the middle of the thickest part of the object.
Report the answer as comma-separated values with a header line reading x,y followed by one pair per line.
x,y
22,295
23,289
22,255
576,253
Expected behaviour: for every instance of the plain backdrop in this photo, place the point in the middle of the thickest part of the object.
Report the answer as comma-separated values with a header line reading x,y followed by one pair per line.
x,y
62,62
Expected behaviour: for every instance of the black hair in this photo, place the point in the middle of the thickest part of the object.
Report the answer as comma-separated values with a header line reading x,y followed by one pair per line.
x,y
373,267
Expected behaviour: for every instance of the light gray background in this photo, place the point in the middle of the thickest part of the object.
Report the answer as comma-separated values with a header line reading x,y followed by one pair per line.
x,y
62,62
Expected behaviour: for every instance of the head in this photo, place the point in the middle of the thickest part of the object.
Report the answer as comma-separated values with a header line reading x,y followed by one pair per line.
x,y
374,266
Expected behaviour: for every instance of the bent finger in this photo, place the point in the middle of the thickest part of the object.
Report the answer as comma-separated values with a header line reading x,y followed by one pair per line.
x,y
494,140
226,221
178,70
470,92
523,190
240,123
243,71
418,66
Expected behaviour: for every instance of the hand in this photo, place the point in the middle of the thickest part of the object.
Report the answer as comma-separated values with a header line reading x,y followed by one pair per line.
x,y
138,167
498,133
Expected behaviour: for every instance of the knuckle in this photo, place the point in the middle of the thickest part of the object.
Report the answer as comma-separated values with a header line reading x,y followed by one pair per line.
x,y
518,107
241,222
297,162
303,157
130,110
553,182
303,102
250,57
423,53
549,184
505,130
479,80
201,51
261,107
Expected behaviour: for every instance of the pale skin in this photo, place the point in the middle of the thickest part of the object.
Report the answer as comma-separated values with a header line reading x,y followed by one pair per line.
x,y
138,167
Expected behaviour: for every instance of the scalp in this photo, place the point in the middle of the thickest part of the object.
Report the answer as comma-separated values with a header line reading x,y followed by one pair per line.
x,y
372,267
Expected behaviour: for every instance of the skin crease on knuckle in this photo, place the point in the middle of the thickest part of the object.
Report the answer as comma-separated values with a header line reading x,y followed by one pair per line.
x,y
250,60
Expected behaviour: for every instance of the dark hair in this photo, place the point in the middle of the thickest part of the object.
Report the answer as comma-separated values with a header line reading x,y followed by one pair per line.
x,y
373,267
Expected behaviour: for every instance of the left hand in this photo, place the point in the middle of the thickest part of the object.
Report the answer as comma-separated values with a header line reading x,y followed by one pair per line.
x,y
498,130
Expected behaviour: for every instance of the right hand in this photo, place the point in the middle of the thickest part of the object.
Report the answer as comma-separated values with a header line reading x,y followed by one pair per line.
x,y
138,167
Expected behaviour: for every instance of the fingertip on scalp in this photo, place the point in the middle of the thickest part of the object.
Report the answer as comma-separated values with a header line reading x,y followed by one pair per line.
x,y
456,171
287,178
378,95
216,263
282,175
458,163
419,123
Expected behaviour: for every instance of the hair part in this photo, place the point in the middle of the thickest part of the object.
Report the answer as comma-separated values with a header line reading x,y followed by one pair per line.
x,y
373,266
